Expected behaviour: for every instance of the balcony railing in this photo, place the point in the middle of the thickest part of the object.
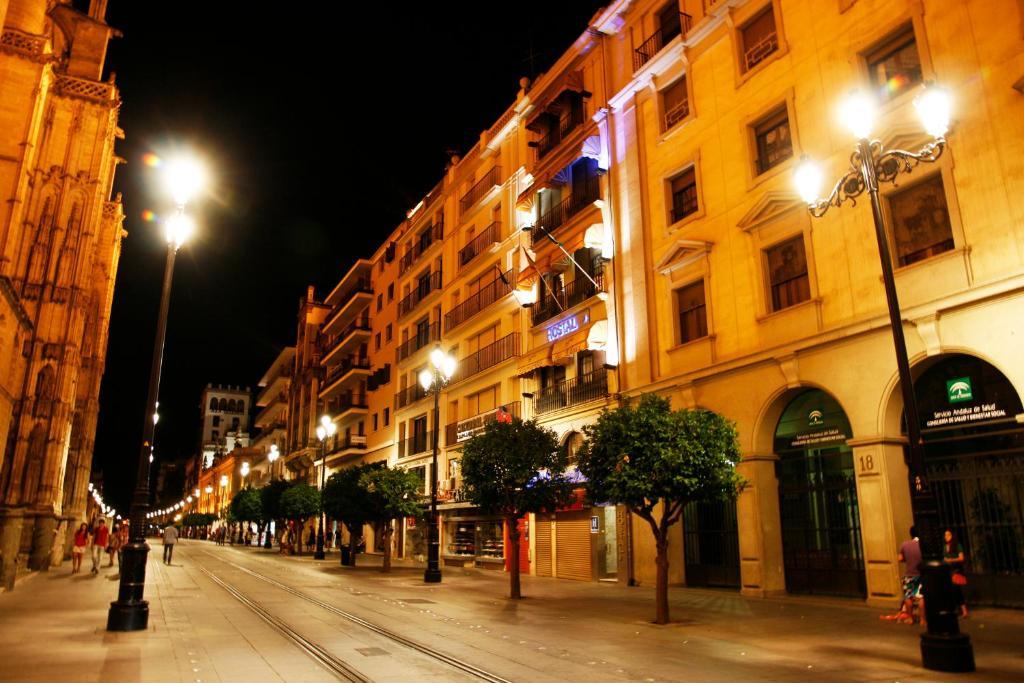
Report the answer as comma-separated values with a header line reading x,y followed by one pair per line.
x,y
344,367
359,325
463,430
662,37
345,443
360,286
347,402
490,235
284,372
493,291
415,444
556,134
419,339
489,356
564,297
757,52
571,392
677,113
426,239
481,188
583,196
420,292
409,395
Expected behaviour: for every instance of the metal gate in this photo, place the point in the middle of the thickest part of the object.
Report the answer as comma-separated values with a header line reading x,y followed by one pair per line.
x,y
981,499
711,544
821,541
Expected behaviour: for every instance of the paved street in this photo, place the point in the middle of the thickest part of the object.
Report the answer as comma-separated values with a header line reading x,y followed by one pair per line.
x,y
224,614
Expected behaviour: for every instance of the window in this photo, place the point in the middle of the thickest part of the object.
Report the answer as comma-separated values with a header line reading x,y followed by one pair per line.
x,y
693,314
213,404
391,292
759,39
375,422
389,332
376,342
380,302
215,435
675,102
774,143
787,273
684,194
234,424
387,416
921,227
216,420
669,25
894,66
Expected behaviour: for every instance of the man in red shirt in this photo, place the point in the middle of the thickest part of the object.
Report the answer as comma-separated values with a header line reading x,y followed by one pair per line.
x,y
100,538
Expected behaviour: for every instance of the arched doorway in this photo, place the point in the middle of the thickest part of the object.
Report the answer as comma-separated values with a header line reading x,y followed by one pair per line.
x,y
821,541
974,462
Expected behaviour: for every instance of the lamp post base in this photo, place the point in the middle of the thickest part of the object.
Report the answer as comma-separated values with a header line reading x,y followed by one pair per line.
x,y
432,575
947,653
130,612
128,616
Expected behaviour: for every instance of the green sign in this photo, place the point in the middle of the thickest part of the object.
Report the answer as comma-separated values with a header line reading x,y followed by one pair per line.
x,y
959,390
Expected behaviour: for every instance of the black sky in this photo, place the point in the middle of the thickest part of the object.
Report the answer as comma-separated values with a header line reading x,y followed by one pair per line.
x,y
322,123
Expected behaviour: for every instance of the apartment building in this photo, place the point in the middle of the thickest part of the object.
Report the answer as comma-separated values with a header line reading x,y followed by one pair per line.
x,y
271,421
304,406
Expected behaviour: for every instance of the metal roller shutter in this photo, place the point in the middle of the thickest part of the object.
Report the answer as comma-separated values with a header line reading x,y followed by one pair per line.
x,y
542,543
573,543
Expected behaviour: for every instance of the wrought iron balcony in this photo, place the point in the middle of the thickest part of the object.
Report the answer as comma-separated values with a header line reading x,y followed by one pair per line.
x,y
419,339
677,113
348,442
411,394
662,37
582,196
571,392
556,134
757,52
567,296
426,239
416,444
489,356
327,347
493,291
344,367
347,402
481,188
488,236
420,292
463,430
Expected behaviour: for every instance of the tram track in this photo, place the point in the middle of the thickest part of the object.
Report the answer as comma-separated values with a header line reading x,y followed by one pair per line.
x,y
336,665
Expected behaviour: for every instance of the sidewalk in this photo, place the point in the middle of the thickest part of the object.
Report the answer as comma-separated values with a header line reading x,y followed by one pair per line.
x,y
54,629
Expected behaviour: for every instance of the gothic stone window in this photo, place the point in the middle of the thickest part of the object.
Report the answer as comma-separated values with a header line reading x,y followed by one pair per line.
x,y
921,227
787,273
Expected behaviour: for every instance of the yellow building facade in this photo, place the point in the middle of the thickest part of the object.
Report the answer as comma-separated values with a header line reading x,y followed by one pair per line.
x,y
60,237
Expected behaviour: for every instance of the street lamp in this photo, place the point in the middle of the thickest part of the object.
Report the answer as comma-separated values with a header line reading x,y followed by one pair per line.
x,y
943,646
325,429
433,379
130,612
272,456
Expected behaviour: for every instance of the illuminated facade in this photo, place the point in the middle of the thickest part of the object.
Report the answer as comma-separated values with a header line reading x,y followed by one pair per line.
x,y
304,408
60,237
271,421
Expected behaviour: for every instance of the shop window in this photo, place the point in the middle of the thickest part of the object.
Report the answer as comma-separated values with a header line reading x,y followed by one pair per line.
x,y
759,39
773,140
692,307
787,273
675,102
920,217
461,538
490,541
684,194
894,66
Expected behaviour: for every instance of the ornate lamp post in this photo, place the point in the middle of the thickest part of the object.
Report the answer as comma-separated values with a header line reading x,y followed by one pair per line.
x,y
325,429
943,646
272,456
434,378
130,612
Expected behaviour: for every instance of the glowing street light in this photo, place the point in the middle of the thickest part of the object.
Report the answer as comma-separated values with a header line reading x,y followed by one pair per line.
x,y
434,378
325,429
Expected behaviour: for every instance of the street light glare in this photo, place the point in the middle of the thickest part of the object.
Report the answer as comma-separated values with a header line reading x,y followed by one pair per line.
x,y
437,357
179,228
857,114
934,106
184,177
448,366
426,379
808,181
321,432
325,420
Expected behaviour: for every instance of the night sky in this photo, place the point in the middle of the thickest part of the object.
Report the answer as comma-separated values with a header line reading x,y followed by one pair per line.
x,y
321,130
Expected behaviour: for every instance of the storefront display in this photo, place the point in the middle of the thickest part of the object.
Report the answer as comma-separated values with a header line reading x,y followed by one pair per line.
x,y
474,541
461,538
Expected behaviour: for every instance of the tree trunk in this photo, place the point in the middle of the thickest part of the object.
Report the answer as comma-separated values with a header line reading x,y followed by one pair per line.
x,y
353,543
298,536
661,591
387,547
515,591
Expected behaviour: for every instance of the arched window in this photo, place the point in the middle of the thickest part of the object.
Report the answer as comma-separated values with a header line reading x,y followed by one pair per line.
x,y
231,405
224,404
213,403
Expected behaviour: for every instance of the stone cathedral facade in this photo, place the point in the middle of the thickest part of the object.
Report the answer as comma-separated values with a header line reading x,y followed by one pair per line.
x,y
60,239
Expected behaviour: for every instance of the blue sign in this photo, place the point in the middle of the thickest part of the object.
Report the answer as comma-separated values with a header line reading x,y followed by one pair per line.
x,y
565,327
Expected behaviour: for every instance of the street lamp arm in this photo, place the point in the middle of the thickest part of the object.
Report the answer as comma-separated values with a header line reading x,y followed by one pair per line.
x,y
889,164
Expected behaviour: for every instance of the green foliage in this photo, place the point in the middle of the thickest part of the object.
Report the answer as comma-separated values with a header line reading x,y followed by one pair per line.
x,y
646,453
270,499
300,501
347,499
514,468
198,519
392,492
246,506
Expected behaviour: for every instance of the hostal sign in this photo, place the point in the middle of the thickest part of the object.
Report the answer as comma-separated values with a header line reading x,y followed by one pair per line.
x,y
567,326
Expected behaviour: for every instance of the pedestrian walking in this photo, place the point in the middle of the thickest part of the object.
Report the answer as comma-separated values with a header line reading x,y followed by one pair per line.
x,y
910,555
114,547
78,550
953,555
337,537
100,539
311,539
170,538
122,536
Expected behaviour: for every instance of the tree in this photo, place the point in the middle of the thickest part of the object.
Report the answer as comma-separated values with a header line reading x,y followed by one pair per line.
x,y
511,469
347,500
392,493
299,503
655,461
270,501
246,507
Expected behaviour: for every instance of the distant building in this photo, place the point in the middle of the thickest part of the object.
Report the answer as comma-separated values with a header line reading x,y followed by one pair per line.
x,y
223,421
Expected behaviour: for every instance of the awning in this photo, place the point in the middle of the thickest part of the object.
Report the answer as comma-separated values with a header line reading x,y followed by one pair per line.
x,y
538,358
597,338
570,345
